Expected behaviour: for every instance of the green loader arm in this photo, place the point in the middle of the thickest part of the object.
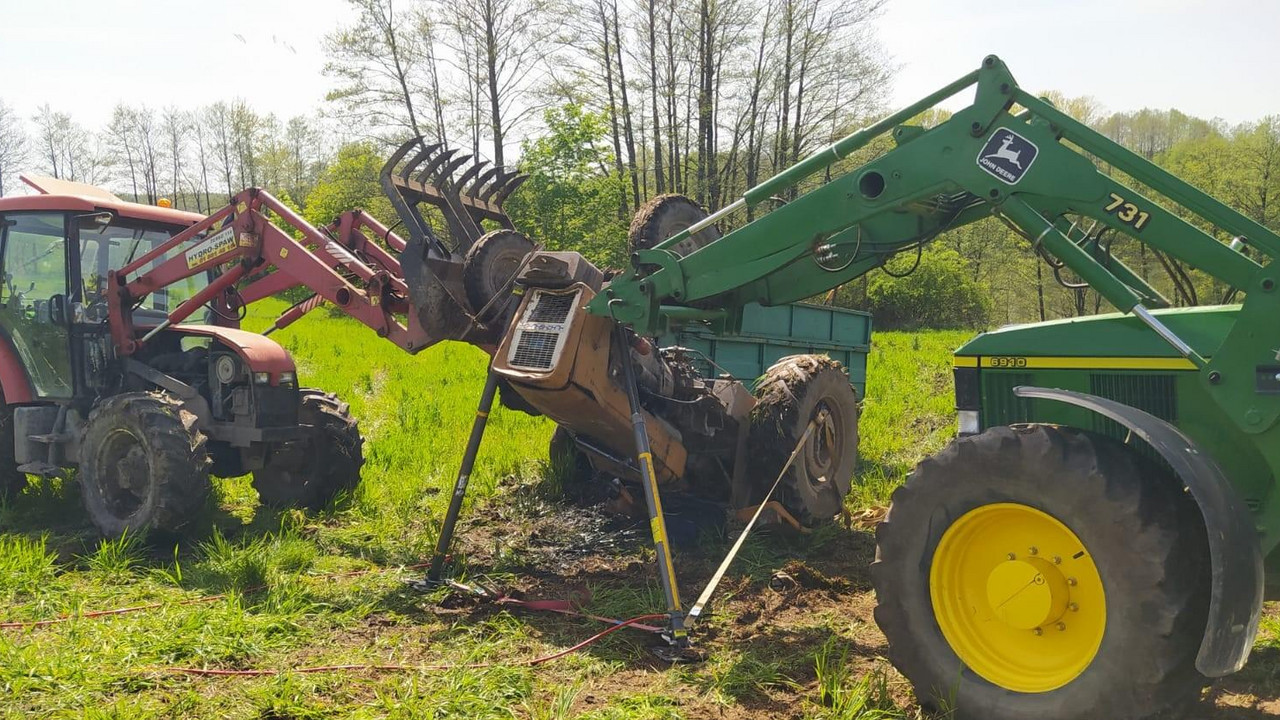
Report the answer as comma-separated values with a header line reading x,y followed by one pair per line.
x,y
985,160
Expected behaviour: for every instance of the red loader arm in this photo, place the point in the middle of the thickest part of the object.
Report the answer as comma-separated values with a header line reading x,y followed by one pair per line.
x,y
340,265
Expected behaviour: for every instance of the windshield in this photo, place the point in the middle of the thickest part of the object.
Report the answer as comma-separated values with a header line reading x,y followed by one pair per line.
x,y
118,244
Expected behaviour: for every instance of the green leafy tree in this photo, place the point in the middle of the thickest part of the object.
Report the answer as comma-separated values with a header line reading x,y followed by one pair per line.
x,y
940,292
350,182
570,201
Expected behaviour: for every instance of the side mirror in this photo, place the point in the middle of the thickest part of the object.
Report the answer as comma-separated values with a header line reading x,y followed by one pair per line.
x,y
58,309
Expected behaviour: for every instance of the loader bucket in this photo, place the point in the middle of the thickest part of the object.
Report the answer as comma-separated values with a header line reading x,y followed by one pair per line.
x,y
465,196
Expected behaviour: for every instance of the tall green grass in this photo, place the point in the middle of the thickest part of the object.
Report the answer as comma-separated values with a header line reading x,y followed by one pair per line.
x,y
415,413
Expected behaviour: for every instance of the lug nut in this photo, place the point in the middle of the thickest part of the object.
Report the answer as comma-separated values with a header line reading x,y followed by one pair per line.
x,y
1062,626
1071,582
1073,607
1038,631
1034,550
1057,560
1011,556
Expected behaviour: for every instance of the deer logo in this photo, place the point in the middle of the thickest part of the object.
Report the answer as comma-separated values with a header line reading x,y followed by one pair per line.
x,y
1007,155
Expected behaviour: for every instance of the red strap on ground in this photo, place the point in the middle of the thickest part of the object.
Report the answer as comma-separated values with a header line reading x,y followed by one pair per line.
x,y
214,672
20,624
563,607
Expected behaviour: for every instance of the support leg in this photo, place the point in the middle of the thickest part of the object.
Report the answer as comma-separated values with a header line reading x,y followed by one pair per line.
x,y
678,635
460,485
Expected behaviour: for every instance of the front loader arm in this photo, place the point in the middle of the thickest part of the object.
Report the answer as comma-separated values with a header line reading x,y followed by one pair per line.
x,y
356,275
934,180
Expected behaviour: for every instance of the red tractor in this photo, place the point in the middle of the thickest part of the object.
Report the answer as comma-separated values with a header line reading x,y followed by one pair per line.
x,y
121,354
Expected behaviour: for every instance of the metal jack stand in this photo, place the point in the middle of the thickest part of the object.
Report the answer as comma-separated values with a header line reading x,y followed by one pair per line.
x,y
677,635
459,487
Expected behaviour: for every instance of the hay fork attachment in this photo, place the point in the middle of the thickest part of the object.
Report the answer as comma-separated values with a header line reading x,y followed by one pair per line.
x,y
428,176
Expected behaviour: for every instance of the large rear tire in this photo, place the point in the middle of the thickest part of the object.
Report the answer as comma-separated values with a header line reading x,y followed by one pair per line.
x,y
143,464
310,473
664,216
795,390
1043,572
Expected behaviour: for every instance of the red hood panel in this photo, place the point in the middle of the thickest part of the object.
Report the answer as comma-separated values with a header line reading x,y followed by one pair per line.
x,y
261,353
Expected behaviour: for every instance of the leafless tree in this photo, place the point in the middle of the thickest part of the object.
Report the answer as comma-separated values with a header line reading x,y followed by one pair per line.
x,y
13,144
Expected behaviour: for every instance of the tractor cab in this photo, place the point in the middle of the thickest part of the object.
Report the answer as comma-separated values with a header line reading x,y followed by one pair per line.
x,y
55,253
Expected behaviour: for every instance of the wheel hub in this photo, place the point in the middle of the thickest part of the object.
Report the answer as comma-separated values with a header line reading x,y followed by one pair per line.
x,y
1027,593
1017,597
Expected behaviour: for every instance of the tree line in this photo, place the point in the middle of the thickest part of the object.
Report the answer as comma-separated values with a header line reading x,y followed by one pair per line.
x,y
607,103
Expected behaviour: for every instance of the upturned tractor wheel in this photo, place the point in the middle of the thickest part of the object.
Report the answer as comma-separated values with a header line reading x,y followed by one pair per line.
x,y
664,216
143,464
12,481
311,472
1044,572
487,272
797,389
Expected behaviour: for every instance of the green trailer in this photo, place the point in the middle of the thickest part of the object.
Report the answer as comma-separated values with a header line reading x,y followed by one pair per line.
x,y
771,333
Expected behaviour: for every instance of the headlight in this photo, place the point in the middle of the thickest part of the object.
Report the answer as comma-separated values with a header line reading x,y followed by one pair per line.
x,y
287,378
261,378
968,422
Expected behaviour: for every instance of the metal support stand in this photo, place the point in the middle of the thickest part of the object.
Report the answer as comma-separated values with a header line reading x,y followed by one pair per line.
x,y
460,485
678,635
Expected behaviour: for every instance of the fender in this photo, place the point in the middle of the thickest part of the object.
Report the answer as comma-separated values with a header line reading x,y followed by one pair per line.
x,y
1235,600
14,383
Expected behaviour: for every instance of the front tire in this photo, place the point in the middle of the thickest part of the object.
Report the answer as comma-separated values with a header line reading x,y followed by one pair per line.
x,y
664,216
143,464
310,473
12,481
795,390
1043,572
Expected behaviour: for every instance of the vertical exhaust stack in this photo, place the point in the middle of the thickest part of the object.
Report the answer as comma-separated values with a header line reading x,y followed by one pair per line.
x,y
463,200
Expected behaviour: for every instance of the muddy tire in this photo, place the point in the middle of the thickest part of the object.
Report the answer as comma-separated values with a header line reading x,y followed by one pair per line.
x,y
11,480
143,464
1140,573
795,390
311,472
664,216
487,272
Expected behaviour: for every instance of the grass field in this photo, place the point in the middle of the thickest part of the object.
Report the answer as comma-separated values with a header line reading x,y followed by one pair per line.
x,y
803,649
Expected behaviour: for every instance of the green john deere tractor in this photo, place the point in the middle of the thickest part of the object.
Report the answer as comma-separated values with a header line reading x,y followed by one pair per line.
x,y
1092,545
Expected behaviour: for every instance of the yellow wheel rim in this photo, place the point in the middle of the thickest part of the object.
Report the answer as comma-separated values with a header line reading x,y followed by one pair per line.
x,y
1018,597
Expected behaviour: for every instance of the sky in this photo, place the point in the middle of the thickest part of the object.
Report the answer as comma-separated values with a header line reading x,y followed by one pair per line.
x,y
1218,58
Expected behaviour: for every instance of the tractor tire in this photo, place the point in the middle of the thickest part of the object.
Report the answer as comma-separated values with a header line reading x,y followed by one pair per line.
x,y
789,395
311,472
12,481
143,464
1099,559
487,272
664,216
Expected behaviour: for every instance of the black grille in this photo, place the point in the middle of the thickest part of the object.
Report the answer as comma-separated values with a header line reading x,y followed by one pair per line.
x,y
1152,393
535,349
551,308
1001,406
277,406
